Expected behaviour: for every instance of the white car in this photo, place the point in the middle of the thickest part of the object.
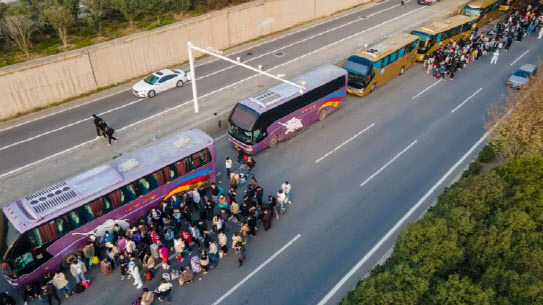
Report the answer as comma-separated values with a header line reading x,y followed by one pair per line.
x,y
159,81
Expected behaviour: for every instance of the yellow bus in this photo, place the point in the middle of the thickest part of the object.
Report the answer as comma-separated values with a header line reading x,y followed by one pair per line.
x,y
505,5
378,63
441,33
483,10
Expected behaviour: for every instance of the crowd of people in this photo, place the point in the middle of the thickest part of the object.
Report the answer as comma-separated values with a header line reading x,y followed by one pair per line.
x,y
196,228
454,56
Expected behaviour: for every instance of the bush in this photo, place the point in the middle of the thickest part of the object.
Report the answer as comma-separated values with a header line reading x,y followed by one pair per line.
x,y
473,169
487,154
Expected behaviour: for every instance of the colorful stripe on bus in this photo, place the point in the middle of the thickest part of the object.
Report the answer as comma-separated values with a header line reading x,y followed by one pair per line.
x,y
334,100
190,182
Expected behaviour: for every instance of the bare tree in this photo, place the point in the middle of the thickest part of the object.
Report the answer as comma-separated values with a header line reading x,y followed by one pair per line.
x,y
19,28
60,18
519,131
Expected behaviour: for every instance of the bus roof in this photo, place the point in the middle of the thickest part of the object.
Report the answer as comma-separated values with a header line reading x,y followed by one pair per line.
x,y
481,3
443,25
387,46
275,96
46,204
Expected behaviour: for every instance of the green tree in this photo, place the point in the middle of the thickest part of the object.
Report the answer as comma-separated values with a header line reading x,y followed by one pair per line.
x,y
460,290
19,29
130,9
156,8
96,11
61,19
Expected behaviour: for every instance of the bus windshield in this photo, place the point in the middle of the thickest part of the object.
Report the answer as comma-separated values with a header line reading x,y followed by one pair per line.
x,y
242,121
471,12
358,65
8,236
423,36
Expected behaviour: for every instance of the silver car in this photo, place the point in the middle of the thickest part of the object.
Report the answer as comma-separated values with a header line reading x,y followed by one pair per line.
x,y
520,78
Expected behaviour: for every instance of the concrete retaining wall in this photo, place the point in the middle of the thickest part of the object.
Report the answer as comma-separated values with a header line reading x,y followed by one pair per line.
x,y
39,83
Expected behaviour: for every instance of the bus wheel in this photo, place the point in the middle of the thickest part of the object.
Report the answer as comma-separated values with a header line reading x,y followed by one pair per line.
x,y
274,140
68,259
323,115
402,70
373,87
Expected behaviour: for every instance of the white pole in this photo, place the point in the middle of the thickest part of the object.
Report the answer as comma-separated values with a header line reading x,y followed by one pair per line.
x,y
193,78
240,64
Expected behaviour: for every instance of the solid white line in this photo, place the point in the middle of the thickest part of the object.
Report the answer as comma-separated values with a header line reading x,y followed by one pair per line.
x,y
519,57
300,41
401,222
466,100
341,145
218,90
414,97
388,163
256,270
65,126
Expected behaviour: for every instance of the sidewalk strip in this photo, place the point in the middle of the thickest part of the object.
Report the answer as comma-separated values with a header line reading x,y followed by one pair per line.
x,y
256,270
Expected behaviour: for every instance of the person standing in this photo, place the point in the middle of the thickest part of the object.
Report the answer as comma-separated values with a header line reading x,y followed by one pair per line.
x,y
214,193
60,283
267,219
30,292
109,133
240,251
540,35
164,291
164,254
250,165
134,271
228,165
148,297
223,240
204,260
281,200
240,154
402,3
259,193
494,59
286,187
78,270
48,293
122,261
88,253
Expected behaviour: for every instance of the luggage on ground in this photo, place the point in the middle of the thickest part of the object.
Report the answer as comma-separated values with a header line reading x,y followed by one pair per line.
x,y
86,283
79,288
106,267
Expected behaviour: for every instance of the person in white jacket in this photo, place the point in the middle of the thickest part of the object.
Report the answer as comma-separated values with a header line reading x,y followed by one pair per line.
x,y
78,269
286,189
135,272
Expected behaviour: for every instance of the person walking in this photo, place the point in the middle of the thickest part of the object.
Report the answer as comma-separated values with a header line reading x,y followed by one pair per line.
x,y
286,187
494,59
48,293
134,271
99,123
109,133
240,252
60,283
402,3
281,200
148,297
251,163
164,291
78,269
228,165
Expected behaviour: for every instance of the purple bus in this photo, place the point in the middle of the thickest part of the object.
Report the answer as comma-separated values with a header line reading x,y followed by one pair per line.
x,y
47,230
275,114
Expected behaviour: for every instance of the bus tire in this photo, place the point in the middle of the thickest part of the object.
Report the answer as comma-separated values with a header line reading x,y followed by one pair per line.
x,y
69,258
151,93
323,115
373,87
274,140
402,70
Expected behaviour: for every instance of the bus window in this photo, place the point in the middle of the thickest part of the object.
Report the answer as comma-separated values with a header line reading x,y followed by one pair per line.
x,y
115,198
206,156
172,169
128,193
385,61
75,220
393,57
415,43
196,161
401,52
438,37
47,232
159,177
97,208
62,226
181,167
108,207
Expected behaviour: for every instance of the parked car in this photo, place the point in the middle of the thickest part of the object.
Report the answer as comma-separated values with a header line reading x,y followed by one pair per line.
x,y
159,81
520,78
426,2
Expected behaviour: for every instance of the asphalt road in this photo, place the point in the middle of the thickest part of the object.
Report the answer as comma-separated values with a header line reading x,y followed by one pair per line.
x,y
363,183
32,141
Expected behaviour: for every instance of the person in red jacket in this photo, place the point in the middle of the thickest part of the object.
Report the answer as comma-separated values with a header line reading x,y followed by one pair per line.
x,y
187,238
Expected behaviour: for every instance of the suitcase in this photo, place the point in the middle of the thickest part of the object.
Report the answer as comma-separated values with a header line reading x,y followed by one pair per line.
x,y
86,283
148,275
79,288
106,267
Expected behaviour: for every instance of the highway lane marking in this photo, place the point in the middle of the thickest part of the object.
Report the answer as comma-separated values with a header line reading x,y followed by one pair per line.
x,y
414,97
522,55
200,65
466,100
256,270
342,144
65,126
388,163
402,221
303,40
169,110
